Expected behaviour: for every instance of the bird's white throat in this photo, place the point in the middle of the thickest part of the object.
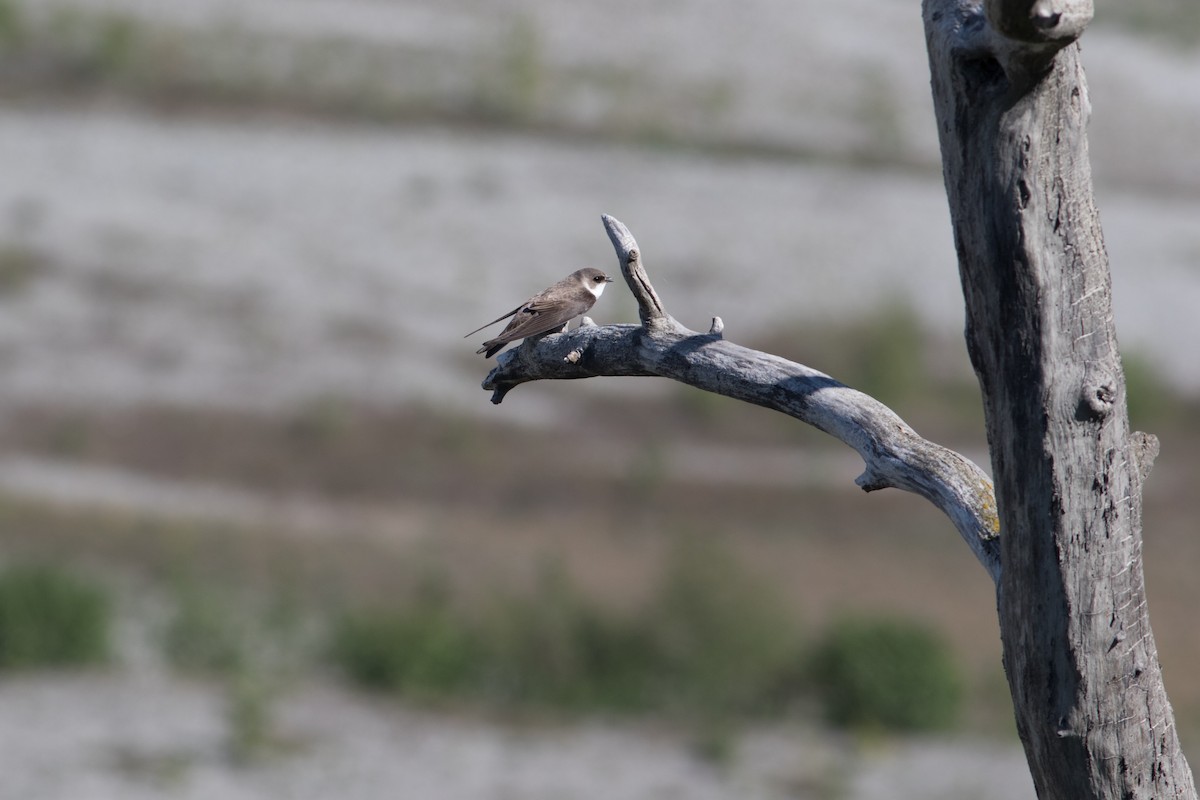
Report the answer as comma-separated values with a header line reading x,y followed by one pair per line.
x,y
596,290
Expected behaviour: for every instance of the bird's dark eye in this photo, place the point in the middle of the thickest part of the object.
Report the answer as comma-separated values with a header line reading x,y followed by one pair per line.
x,y
598,279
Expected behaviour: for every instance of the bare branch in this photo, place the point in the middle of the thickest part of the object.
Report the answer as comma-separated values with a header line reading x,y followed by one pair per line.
x,y
894,454
650,308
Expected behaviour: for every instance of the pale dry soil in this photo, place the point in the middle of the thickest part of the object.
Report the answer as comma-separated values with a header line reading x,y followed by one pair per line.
x,y
140,735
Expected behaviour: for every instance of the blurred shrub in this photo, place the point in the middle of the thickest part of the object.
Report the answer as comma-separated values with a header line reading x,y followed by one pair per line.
x,y
712,641
889,355
1151,400
12,26
250,702
117,40
253,647
322,421
52,617
555,648
509,88
19,265
886,673
725,640
206,632
424,650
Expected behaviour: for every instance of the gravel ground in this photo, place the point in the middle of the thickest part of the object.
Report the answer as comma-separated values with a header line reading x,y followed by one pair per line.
x,y
129,736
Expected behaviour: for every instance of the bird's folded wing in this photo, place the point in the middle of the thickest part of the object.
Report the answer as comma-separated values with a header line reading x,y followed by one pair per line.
x,y
538,318
536,306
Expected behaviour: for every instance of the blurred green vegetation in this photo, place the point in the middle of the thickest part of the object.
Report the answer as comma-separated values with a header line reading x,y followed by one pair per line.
x,y
254,648
554,648
206,632
726,640
884,355
251,697
12,25
884,673
424,650
713,643
1153,403
52,617
510,89
19,265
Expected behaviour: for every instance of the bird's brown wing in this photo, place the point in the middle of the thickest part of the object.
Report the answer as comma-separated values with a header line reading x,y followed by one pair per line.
x,y
536,316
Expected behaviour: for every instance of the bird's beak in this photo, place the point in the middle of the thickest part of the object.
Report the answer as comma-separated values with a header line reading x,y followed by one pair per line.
x,y
607,279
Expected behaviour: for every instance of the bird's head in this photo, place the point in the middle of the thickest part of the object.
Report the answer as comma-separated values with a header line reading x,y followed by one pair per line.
x,y
594,279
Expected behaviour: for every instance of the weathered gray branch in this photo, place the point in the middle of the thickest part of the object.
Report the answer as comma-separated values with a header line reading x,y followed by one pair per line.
x,y
894,454
1012,109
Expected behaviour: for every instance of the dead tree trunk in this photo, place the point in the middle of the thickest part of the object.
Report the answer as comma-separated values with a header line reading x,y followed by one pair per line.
x,y
1012,106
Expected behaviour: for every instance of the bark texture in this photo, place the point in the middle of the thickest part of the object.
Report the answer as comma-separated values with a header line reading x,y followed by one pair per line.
x,y
1012,107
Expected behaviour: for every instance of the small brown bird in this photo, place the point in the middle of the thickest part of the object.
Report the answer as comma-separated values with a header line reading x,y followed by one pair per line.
x,y
548,310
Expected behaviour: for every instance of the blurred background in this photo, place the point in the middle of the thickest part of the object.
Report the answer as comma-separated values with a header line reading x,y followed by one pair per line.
x,y
264,536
